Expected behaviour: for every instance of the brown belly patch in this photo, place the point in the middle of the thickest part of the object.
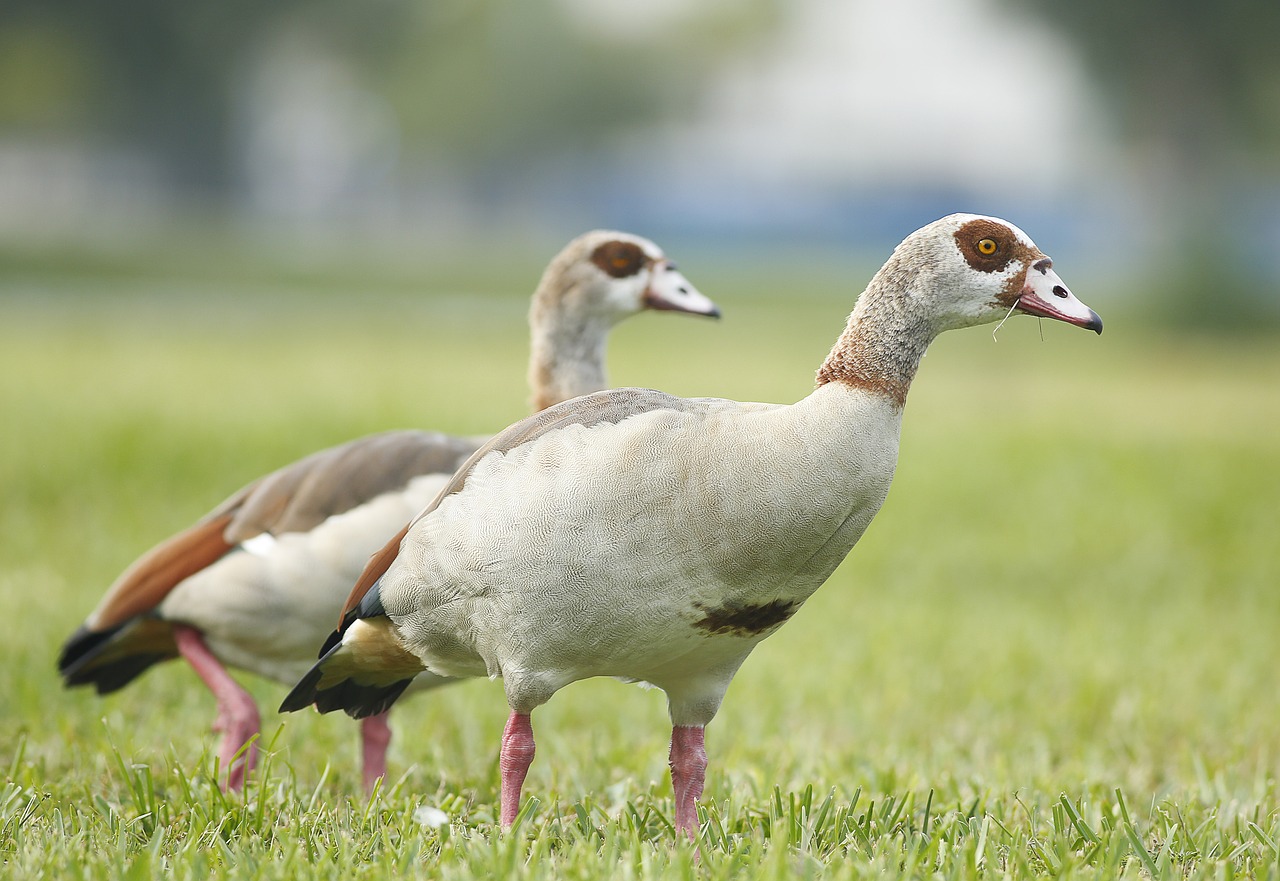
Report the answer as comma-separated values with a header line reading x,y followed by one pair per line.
x,y
744,619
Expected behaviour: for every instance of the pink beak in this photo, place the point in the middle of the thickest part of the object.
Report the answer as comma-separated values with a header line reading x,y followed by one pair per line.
x,y
1045,295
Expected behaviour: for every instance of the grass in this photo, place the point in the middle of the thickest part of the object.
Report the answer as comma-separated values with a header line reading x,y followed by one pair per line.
x,y
1052,654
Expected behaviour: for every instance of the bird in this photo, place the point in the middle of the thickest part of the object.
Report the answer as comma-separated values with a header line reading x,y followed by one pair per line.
x,y
656,539
259,581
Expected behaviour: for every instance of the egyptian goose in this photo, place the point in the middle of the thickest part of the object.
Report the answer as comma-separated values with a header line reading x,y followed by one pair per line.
x,y
638,535
259,581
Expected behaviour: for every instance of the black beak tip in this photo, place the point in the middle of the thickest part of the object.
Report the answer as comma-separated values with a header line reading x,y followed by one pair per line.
x,y
1095,322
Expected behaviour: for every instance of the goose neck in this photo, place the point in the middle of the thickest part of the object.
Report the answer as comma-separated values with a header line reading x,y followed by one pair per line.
x,y
567,355
881,346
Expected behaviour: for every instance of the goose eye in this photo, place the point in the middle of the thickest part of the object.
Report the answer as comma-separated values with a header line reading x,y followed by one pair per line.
x,y
987,247
619,259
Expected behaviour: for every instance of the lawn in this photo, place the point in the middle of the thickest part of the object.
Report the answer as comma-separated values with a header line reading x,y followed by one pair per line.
x,y
1053,652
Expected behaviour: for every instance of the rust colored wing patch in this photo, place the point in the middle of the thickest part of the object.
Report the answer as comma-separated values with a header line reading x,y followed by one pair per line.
x,y
142,586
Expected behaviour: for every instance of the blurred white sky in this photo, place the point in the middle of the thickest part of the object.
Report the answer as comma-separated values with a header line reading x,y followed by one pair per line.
x,y
845,96
923,92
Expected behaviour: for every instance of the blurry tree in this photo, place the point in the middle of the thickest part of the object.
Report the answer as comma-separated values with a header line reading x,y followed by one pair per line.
x,y
152,75
485,80
1196,87
476,84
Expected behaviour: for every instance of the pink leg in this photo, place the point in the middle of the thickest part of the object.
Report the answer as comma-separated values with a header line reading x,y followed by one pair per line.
x,y
517,756
237,713
688,773
375,734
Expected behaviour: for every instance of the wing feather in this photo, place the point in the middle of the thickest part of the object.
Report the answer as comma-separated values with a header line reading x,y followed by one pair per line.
x,y
609,406
295,498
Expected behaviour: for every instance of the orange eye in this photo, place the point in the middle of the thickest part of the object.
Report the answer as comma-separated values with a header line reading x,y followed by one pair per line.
x,y
619,259
987,247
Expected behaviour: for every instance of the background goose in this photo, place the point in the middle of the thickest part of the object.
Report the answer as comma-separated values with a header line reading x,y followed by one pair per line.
x,y
259,581
639,535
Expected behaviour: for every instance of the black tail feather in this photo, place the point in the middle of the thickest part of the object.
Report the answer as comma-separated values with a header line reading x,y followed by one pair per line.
x,y
357,699
333,640
353,698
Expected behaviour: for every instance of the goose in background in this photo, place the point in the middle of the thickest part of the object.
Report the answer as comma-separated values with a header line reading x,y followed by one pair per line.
x,y
638,535
258,582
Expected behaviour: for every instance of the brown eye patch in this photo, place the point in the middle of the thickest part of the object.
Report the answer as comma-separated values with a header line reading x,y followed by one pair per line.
x,y
619,259
976,238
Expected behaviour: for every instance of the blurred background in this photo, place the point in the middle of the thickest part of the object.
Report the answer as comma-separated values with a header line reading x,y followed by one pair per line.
x,y
233,233
1140,138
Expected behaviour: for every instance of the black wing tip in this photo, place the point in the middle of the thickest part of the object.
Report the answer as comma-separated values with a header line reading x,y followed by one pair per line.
x,y
370,605
360,701
81,661
80,644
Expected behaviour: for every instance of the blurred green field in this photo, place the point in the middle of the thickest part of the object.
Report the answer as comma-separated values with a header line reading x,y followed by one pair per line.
x,y
1053,653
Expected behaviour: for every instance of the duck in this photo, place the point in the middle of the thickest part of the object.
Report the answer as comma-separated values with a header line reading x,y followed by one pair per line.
x,y
657,539
258,582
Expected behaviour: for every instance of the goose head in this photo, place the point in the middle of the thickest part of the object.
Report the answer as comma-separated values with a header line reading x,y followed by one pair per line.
x,y
970,269
962,270
597,280
604,276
